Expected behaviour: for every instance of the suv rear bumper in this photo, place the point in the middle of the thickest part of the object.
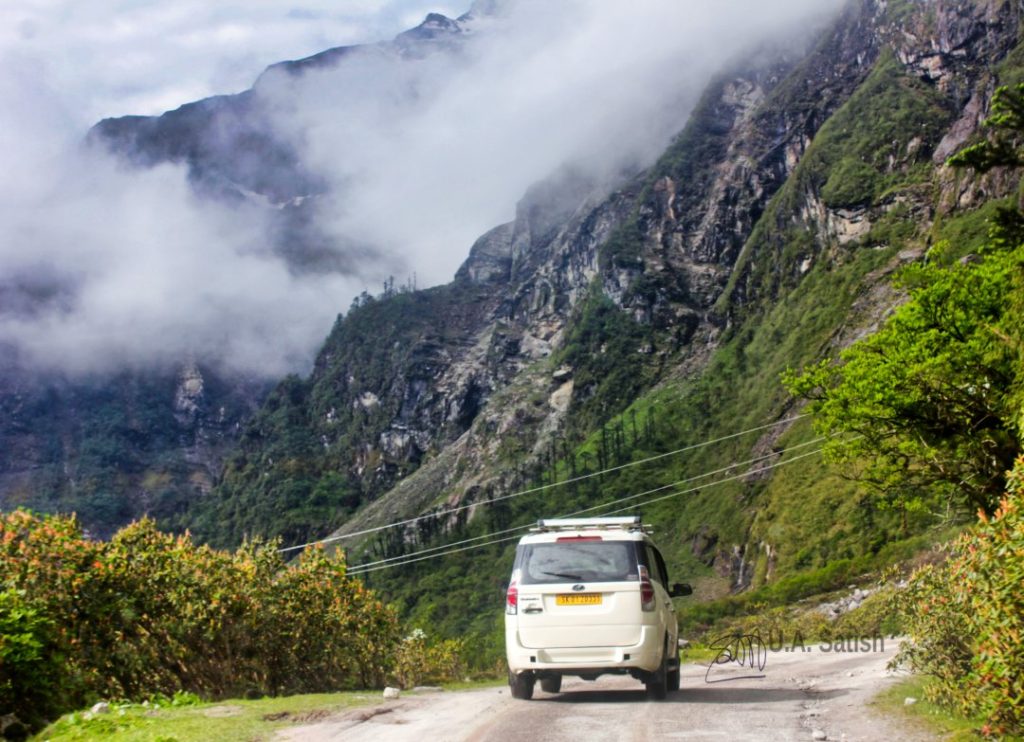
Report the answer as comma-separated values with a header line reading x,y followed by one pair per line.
x,y
644,655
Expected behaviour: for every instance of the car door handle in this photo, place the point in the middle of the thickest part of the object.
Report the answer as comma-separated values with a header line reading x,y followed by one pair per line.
x,y
533,609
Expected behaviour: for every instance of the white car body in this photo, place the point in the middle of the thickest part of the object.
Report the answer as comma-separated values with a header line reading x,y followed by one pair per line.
x,y
587,597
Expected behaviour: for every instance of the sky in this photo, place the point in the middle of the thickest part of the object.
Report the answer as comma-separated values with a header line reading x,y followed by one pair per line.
x,y
117,57
103,265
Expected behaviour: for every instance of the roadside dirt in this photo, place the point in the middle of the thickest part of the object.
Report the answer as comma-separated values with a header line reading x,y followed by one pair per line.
x,y
801,695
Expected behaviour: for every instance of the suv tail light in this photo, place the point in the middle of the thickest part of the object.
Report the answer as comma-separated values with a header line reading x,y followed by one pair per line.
x,y
646,590
512,596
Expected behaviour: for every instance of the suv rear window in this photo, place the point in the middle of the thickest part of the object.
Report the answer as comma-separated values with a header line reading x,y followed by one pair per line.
x,y
585,561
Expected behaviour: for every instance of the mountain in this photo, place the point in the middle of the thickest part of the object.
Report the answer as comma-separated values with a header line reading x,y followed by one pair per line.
x,y
115,448
228,142
148,440
605,324
235,149
599,328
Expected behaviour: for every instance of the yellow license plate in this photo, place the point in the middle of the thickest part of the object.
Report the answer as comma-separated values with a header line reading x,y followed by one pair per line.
x,y
578,599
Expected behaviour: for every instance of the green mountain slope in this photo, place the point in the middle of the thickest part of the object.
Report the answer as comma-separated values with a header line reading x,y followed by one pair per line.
x,y
642,322
116,448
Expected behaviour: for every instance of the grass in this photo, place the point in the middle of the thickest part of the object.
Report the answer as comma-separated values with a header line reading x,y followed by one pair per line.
x,y
498,681
185,719
925,715
698,654
227,720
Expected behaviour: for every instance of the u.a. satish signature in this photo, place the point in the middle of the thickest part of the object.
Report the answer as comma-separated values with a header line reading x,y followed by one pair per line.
x,y
745,650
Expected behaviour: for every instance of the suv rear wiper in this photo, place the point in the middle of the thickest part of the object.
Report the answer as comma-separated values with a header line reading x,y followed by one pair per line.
x,y
563,574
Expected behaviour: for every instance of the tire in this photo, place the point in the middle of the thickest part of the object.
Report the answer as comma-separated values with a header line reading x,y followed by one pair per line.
x,y
673,679
551,684
521,685
657,681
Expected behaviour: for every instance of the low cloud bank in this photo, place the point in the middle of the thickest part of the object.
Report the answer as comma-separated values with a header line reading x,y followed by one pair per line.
x,y
102,265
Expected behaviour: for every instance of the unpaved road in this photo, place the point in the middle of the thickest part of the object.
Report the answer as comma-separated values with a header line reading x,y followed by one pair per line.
x,y
800,694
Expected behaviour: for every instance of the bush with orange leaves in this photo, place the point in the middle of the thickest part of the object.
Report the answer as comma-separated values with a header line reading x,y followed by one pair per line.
x,y
149,613
965,619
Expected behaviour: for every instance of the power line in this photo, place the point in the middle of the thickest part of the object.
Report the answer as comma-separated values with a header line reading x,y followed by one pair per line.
x,y
690,490
517,529
701,476
580,478
641,504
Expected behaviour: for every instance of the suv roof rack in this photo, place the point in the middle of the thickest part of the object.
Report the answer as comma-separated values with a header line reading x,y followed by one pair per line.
x,y
625,523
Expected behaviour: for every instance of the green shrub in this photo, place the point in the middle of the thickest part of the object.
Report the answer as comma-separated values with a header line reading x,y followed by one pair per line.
x,y
875,617
938,629
419,661
779,626
28,673
151,614
966,619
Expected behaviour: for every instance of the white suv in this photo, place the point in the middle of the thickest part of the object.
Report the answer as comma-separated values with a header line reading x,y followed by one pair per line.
x,y
590,596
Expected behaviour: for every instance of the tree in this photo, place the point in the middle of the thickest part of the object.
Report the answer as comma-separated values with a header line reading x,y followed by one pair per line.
x,y
1002,147
924,404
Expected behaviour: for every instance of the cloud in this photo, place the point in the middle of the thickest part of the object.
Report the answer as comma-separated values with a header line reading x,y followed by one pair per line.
x,y
441,150
103,266
113,57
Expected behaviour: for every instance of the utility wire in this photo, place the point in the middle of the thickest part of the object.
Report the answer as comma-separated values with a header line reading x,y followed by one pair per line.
x,y
662,488
690,490
532,490
641,504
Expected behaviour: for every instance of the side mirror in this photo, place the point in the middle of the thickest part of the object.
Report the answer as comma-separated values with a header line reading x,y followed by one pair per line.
x,y
680,589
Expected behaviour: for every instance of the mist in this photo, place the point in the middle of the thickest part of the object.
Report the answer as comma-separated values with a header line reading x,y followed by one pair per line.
x,y
104,265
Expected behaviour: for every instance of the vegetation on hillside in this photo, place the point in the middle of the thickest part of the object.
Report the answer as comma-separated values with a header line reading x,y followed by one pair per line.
x,y
113,450
608,352
874,149
312,454
929,406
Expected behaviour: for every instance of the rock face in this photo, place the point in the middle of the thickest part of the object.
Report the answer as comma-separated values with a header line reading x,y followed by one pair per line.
x,y
845,604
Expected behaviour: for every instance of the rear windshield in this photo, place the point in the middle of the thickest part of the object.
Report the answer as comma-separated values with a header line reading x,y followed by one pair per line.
x,y
586,561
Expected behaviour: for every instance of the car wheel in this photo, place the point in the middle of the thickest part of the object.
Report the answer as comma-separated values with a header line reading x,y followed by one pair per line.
x,y
657,681
521,685
673,679
551,684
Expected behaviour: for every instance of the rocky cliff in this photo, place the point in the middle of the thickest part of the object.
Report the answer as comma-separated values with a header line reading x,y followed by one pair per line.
x,y
797,173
